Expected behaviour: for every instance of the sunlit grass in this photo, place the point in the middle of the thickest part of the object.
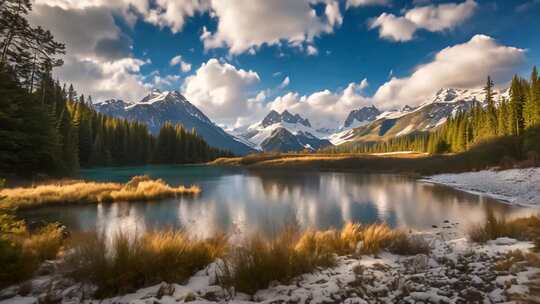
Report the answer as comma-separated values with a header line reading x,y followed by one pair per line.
x,y
22,251
526,228
125,263
258,261
138,188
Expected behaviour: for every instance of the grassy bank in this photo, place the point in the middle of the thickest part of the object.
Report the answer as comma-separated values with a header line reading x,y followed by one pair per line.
x,y
22,251
526,228
139,188
503,152
125,264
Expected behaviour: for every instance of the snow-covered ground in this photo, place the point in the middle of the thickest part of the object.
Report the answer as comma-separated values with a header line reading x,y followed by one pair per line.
x,y
515,186
455,271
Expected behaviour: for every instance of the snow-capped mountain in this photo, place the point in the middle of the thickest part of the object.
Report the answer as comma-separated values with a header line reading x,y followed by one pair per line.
x,y
274,117
428,116
360,117
284,132
159,107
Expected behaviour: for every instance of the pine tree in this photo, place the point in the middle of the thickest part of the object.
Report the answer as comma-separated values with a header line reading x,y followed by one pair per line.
x,y
531,109
517,98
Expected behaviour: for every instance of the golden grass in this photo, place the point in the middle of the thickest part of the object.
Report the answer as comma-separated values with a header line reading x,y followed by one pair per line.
x,y
22,251
526,228
258,261
129,263
138,188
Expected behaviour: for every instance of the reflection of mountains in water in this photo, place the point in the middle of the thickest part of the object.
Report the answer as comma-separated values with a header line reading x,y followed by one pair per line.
x,y
264,201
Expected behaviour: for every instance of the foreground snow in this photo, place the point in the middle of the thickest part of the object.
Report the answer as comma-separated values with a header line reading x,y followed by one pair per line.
x,y
455,272
516,186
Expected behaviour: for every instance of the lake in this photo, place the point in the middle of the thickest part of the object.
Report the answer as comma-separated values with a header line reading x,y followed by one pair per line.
x,y
236,201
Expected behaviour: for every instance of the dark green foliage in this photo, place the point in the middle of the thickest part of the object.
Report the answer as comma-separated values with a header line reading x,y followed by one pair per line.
x,y
46,129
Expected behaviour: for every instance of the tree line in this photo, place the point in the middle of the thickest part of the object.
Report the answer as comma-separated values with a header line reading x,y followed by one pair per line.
x,y
48,129
518,115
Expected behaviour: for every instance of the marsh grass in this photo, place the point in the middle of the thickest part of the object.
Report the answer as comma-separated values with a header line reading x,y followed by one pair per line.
x,y
22,251
526,229
258,261
125,263
138,188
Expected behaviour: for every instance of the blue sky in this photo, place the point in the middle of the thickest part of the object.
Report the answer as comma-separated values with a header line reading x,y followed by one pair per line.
x,y
370,40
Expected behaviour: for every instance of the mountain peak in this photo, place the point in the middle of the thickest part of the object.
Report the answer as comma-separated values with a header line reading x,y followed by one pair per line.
x,y
362,116
274,117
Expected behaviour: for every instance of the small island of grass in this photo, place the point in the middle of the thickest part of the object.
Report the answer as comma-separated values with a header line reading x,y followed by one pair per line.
x,y
139,188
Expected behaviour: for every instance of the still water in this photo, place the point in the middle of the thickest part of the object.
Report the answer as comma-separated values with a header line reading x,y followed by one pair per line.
x,y
235,201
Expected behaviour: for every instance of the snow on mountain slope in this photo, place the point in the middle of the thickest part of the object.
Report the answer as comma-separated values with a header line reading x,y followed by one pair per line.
x,y
269,134
428,116
159,107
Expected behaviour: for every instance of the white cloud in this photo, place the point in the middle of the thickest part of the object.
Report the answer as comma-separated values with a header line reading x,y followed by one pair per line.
x,y
323,108
333,13
464,65
167,82
434,18
221,91
311,50
177,60
98,60
104,80
286,81
173,13
245,25
460,66
394,28
355,3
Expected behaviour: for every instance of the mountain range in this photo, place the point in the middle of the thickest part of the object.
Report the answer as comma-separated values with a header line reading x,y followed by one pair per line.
x,y
159,107
286,131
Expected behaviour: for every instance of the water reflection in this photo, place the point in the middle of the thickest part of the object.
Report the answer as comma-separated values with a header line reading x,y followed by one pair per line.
x,y
238,202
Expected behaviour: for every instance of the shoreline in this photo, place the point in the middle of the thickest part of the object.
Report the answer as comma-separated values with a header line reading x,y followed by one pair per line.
x,y
455,270
515,187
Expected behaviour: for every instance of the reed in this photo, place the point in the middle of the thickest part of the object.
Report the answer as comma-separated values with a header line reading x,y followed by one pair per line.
x,y
526,228
22,251
137,189
125,263
257,261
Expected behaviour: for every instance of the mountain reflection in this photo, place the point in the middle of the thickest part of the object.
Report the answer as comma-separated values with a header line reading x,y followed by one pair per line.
x,y
263,202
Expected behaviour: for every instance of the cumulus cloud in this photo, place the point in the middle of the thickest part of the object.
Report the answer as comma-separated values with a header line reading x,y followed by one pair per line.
x,y
434,18
394,28
221,91
98,60
177,60
104,80
323,108
464,65
245,25
173,13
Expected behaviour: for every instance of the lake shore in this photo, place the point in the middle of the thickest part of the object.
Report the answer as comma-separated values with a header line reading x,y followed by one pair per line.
x,y
515,186
455,271
414,164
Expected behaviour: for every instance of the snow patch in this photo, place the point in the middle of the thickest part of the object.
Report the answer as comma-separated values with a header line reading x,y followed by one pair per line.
x,y
515,186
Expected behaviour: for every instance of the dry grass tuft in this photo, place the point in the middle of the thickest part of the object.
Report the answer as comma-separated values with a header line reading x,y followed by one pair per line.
x,y
138,188
129,263
258,261
404,244
527,228
22,251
